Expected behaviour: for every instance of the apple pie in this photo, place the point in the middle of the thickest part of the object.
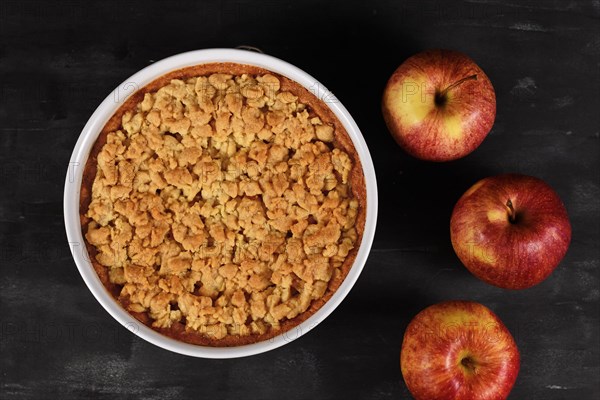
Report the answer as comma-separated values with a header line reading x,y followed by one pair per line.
x,y
222,204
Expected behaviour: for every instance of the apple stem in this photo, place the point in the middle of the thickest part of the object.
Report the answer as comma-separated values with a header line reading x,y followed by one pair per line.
x,y
455,84
469,364
512,215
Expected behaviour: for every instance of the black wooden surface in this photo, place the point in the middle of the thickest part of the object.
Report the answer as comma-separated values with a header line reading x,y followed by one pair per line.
x,y
58,61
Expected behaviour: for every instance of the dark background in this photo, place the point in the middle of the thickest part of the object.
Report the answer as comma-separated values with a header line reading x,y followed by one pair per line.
x,y
59,61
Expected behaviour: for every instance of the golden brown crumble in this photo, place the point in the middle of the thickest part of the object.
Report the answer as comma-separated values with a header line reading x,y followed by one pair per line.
x,y
223,204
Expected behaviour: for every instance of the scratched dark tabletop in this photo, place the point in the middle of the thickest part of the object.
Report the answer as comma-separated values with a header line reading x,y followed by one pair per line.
x,y
59,61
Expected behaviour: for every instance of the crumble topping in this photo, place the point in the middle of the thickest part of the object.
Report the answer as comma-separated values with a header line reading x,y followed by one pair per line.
x,y
222,203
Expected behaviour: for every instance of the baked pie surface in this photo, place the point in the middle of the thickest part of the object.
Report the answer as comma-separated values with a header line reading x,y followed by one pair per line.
x,y
223,204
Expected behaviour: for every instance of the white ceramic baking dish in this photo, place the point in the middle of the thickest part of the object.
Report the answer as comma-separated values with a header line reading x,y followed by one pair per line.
x,y
103,113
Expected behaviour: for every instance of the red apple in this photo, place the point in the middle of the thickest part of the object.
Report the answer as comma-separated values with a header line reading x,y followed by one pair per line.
x,y
458,350
510,230
439,105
